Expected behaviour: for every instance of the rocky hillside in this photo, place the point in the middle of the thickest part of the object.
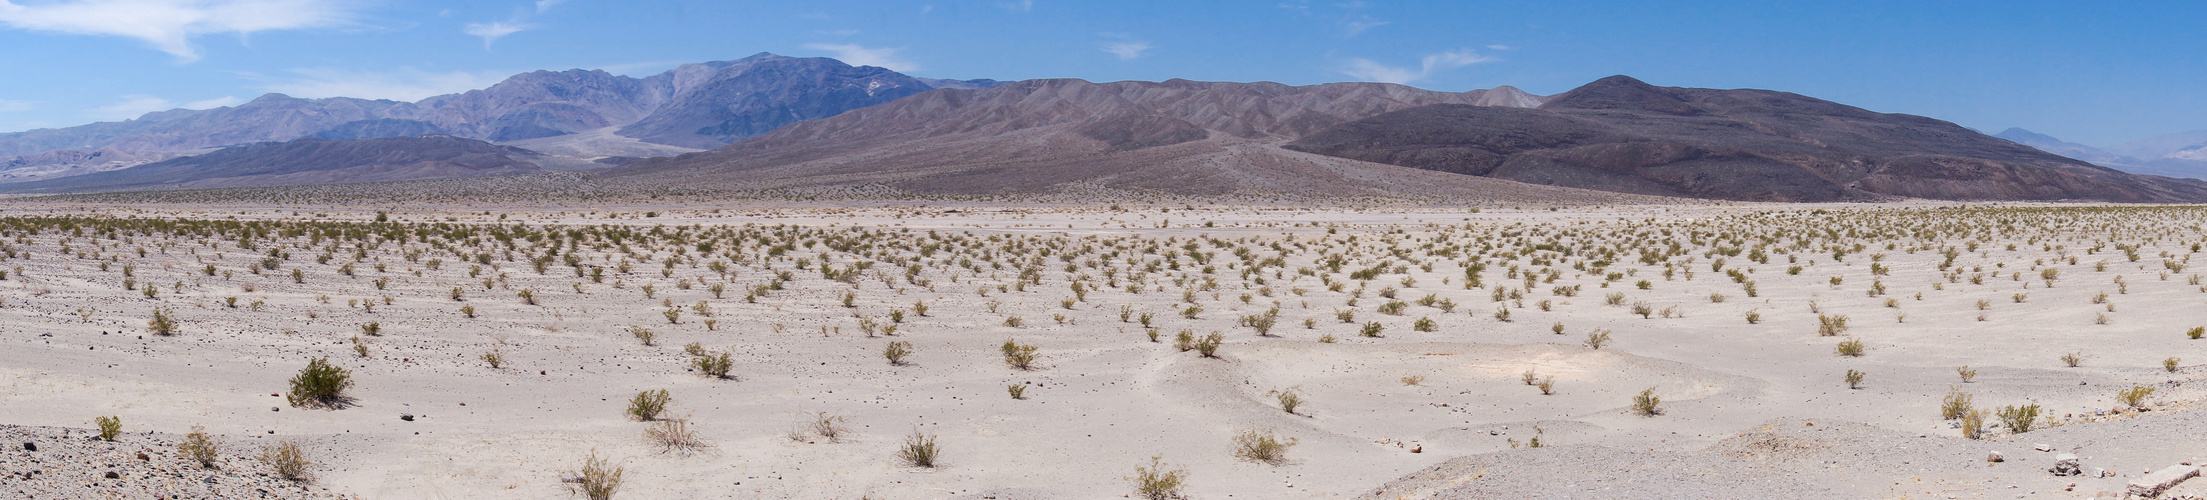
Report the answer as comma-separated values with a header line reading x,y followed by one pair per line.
x,y
1038,135
692,106
1620,134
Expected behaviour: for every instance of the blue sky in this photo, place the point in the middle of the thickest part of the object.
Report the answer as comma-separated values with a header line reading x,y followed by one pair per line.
x,y
2075,70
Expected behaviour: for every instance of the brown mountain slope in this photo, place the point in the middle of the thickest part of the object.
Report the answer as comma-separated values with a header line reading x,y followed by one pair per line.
x,y
1620,134
1175,136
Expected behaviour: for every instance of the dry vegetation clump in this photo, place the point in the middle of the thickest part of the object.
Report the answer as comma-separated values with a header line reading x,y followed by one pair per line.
x,y
320,384
1262,445
648,405
287,460
597,480
919,450
1155,481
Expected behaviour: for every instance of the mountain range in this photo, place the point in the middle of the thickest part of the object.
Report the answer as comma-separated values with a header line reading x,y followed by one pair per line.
x,y
2173,155
774,122
690,107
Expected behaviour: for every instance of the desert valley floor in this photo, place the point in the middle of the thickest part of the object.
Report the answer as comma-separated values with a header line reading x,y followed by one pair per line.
x,y
1657,351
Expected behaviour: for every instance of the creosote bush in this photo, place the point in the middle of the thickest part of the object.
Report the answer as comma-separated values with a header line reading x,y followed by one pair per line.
x,y
919,450
1262,445
1155,481
320,384
287,460
2019,419
1647,403
896,352
713,365
647,405
597,480
199,448
2134,397
109,427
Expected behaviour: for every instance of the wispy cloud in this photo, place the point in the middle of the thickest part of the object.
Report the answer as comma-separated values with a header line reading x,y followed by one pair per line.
x,y
856,55
1358,26
404,84
1128,50
494,30
1374,71
7,106
169,25
544,5
840,32
1018,5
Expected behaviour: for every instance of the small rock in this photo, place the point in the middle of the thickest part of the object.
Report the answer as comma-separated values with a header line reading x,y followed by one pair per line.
x,y
30,446
142,456
1995,457
2042,447
2159,481
2066,465
113,475
275,408
1417,449
406,416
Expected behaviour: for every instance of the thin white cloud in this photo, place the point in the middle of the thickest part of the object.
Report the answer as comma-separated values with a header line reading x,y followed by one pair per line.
x,y
403,84
544,5
856,55
7,106
1373,71
169,25
492,31
840,32
1499,47
132,106
1018,5
213,103
1357,27
1128,50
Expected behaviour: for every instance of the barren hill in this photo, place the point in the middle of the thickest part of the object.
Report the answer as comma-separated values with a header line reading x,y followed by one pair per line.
x,y
1175,136
1620,134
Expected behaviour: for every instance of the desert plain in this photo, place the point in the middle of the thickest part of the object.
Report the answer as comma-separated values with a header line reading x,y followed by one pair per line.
x,y
1735,350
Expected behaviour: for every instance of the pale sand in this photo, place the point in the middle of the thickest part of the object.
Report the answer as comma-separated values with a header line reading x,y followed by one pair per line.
x,y
1104,399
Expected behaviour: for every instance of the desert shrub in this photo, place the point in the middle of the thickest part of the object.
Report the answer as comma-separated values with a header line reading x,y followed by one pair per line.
x,y
1184,341
1854,379
163,322
2134,397
597,480
829,427
1021,356
1647,403
1156,482
1968,374
1973,424
1547,385
2072,359
919,450
1851,348
1208,346
287,460
109,427
2196,332
673,435
320,384
1828,326
1017,391
647,405
1289,399
1428,325
2019,419
2170,364
713,365
1597,338
644,335
1413,380
1261,445
1371,330
1956,405
896,352
199,448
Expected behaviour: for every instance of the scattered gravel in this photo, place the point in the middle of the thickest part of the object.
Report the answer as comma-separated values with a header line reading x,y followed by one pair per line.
x,y
74,463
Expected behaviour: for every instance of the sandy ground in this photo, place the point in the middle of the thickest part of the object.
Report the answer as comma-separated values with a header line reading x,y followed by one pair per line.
x,y
1736,398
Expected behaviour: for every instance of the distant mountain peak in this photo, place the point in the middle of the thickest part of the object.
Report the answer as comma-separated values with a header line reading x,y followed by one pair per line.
x,y
1621,92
